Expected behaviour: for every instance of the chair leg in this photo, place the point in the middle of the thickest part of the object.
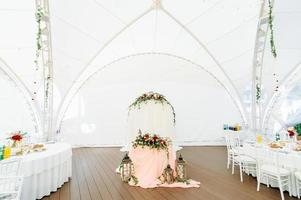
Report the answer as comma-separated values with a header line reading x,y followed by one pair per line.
x,y
240,171
297,187
289,186
280,187
268,184
232,164
228,161
258,181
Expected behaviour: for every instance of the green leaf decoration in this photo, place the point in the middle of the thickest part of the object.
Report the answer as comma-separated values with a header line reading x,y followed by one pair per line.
x,y
152,96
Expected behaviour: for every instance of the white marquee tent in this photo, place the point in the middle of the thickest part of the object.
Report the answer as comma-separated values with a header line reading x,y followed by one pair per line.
x,y
203,55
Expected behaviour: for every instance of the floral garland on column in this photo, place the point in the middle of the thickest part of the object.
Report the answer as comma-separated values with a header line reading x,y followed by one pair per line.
x,y
272,42
158,98
258,93
39,14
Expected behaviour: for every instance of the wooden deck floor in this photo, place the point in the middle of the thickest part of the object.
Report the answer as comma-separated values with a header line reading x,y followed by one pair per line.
x,y
94,177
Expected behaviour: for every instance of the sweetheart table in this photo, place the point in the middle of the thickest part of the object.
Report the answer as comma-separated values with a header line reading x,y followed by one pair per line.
x,y
149,164
45,171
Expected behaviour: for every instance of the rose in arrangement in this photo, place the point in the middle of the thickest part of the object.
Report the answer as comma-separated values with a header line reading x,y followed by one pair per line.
x,y
16,137
152,141
291,133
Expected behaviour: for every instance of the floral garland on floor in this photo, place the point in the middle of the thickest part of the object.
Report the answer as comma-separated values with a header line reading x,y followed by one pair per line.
x,y
152,141
158,98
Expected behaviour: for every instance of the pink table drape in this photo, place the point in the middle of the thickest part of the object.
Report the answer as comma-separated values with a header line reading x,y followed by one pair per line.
x,y
150,163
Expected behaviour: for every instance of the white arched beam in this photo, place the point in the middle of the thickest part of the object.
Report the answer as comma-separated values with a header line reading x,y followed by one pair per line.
x,y
260,43
101,68
236,96
71,92
26,94
272,101
156,5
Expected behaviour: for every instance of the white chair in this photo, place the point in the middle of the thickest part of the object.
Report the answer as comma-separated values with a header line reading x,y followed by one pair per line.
x,y
10,181
229,151
270,169
11,187
245,163
10,167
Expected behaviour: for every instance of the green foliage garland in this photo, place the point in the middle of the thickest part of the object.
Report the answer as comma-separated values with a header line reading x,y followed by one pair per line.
x,y
39,15
158,98
272,43
298,129
258,93
187,182
134,179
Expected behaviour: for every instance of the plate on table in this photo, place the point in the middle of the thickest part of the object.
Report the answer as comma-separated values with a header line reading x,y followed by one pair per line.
x,y
38,148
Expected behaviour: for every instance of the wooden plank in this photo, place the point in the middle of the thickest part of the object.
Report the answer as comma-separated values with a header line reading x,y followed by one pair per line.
x,y
115,193
65,191
110,168
102,187
92,186
46,197
205,164
55,195
82,183
74,187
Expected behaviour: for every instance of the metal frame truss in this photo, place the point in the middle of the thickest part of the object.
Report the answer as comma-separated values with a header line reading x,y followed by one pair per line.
x,y
45,61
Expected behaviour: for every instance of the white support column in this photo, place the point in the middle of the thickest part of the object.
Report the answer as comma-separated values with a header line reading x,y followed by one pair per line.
x,y
45,61
260,41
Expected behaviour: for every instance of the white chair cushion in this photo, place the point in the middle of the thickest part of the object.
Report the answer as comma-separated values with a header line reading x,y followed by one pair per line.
x,y
270,169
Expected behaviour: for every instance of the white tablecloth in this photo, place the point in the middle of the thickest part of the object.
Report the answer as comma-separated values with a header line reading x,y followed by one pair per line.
x,y
290,160
46,171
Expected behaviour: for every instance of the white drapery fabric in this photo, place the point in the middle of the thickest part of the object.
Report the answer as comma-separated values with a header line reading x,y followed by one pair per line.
x,y
151,117
46,171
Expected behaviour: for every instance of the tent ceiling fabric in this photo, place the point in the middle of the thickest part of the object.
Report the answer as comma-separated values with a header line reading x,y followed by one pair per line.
x,y
90,34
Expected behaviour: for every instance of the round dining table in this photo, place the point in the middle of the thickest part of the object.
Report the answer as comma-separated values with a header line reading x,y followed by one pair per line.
x,y
44,172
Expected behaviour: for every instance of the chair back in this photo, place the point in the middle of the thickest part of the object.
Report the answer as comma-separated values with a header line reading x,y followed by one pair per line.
x,y
269,156
8,184
10,167
234,140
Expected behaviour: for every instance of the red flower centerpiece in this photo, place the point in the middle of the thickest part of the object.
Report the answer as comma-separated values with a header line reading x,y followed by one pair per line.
x,y
291,133
16,138
152,141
